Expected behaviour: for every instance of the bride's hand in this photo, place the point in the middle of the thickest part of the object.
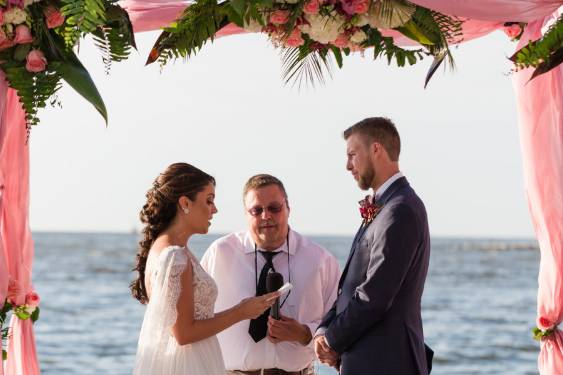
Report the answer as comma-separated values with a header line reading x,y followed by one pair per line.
x,y
253,307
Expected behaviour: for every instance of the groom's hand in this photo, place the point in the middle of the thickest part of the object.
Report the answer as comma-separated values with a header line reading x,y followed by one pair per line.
x,y
325,353
287,329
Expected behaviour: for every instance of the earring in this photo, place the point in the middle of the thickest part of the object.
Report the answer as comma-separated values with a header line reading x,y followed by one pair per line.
x,y
186,210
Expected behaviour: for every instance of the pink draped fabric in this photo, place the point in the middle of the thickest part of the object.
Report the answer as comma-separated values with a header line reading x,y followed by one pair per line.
x,y
15,236
541,136
494,10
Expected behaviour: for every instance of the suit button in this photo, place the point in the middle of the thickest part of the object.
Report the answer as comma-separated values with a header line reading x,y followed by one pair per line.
x,y
339,291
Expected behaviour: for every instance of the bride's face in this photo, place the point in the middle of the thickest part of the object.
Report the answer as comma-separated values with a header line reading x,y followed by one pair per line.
x,y
202,209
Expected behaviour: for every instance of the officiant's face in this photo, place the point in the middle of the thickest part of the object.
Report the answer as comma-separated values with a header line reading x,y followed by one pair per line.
x,y
267,213
359,161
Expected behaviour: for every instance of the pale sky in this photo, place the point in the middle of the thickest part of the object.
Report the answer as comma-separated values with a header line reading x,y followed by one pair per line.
x,y
228,112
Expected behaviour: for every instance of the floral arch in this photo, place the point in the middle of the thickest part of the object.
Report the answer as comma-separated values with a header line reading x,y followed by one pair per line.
x,y
539,103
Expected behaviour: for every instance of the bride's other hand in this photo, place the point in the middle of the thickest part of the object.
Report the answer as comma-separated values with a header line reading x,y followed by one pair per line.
x,y
253,307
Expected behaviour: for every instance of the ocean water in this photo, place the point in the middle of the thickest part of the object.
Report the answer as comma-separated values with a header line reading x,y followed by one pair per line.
x,y
478,306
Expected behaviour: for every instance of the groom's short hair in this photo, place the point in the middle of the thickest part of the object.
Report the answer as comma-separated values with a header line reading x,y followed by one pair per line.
x,y
378,129
262,180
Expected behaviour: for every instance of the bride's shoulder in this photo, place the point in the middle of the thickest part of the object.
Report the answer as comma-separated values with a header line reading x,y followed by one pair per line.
x,y
171,254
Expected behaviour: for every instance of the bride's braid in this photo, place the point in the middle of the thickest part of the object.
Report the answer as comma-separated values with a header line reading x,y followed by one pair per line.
x,y
179,179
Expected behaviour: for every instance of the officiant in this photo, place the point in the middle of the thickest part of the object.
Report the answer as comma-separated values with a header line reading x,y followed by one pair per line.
x,y
240,262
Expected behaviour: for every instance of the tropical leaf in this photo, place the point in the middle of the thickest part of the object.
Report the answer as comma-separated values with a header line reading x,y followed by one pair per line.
x,y
74,73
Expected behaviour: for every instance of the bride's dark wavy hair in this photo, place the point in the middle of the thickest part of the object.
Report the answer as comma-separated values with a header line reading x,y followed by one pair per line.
x,y
178,180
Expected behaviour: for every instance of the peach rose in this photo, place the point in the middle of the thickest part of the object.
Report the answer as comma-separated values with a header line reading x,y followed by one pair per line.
x,y
295,39
23,35
544,324
36,61
279,17
311,7
53,16
513,31
341,42
32,299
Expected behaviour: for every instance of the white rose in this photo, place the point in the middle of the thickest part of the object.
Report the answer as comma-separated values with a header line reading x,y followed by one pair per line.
x,y
15,16
29,309
292,1
399,15
253,26
360,20
358,37
324,29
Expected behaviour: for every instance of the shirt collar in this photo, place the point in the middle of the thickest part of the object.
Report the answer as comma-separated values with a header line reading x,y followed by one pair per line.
x,y
249,244
388,183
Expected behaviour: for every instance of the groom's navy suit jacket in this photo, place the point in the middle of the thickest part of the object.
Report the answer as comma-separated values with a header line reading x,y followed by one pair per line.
x,y
375,323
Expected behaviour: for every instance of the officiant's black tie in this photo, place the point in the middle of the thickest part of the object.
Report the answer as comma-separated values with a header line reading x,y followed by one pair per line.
x,y
259,326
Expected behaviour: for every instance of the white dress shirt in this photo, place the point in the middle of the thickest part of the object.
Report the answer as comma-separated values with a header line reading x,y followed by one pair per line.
x,y
230,260
388,183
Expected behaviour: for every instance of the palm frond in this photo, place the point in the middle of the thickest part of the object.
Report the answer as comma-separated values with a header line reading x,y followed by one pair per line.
x,y
305,66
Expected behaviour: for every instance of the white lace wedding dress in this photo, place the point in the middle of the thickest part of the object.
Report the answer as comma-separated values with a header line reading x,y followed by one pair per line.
x,y
158,352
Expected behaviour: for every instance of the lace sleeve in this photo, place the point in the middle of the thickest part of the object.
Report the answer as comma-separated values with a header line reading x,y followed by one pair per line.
x,y
161,313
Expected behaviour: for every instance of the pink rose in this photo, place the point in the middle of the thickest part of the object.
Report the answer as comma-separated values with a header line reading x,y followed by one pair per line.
x,y
544,324
279,17
341,42
14,290
312,7
513,31
23,35
1,16
32,299
36,61
294,39
355,6
53,16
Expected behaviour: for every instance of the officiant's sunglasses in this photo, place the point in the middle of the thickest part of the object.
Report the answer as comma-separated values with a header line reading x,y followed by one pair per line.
x,y
274,208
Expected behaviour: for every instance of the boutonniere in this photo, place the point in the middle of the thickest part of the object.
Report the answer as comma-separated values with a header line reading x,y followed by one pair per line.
x,y
369,209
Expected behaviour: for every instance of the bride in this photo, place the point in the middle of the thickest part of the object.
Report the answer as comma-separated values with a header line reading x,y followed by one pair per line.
x,y
179,327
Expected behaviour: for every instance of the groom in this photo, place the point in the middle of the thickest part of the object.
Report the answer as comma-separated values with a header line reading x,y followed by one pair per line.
x,y
375,325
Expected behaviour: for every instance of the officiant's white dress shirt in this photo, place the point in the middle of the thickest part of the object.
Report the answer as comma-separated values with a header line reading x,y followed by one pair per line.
x,y
314,275
388,183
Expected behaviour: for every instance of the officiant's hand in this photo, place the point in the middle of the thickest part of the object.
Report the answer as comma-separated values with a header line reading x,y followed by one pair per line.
x,y
325,353
287,329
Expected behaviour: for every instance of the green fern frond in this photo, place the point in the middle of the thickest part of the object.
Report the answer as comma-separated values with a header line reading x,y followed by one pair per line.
x,y
542,50
198,24
82,17
115,38
34,89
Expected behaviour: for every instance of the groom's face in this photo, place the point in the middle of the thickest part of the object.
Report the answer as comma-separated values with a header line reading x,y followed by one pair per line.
x,y
267,213
359,161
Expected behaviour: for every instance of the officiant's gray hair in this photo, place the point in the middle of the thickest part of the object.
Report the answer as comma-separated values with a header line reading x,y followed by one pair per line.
x,y
381,130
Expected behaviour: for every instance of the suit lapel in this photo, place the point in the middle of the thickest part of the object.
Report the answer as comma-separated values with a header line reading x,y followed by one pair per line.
x,y
395,186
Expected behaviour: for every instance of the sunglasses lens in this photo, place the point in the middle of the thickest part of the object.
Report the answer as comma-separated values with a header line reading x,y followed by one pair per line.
x,y
275,208
256,211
